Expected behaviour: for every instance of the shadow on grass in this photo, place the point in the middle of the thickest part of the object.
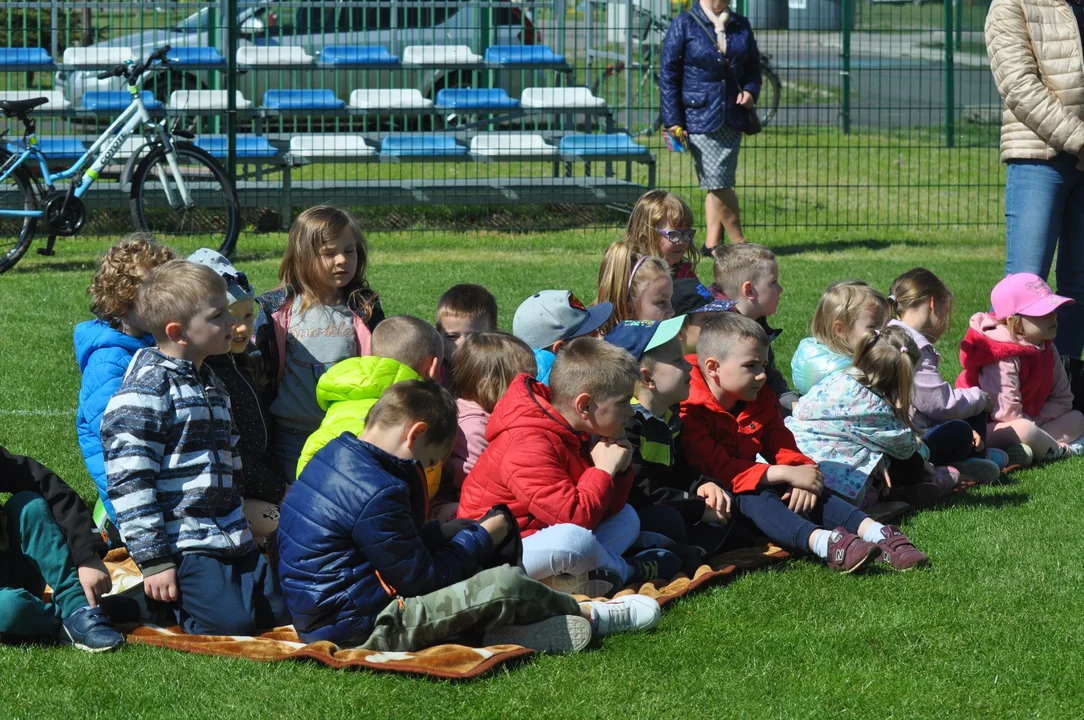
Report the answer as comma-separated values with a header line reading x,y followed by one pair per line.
x,y
834,246
53,266
966,499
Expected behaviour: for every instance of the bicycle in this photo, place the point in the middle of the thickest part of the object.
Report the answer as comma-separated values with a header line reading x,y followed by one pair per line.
x,y
174,186
651,28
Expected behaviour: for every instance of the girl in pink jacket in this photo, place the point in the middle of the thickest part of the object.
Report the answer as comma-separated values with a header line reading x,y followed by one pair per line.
x,y
484,366
1010,354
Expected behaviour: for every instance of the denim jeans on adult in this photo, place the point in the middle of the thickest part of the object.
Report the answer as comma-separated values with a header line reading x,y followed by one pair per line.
x,y
1044,210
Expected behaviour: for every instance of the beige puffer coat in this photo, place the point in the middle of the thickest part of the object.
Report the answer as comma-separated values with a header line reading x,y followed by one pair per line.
x,y
1038,65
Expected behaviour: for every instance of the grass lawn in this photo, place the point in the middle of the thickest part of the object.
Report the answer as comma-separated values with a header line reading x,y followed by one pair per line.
x,y
991,630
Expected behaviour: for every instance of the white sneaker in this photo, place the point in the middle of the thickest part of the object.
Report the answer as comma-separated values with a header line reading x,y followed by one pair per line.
x,y
1076,449
980,469
558,634
629,613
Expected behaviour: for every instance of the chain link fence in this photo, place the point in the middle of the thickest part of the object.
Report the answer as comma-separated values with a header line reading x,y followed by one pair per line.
x,y
524,115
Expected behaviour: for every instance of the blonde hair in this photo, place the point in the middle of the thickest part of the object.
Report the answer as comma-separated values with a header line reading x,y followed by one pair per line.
x,y
410,340
414,401
592,366
735,264
485,365
308,234
174,292
914,288
622,278
885,363
655,208
725,330
121,271
469,301
843,302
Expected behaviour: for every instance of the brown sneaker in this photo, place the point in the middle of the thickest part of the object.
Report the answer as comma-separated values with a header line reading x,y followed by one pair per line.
x,y
848,553
899,552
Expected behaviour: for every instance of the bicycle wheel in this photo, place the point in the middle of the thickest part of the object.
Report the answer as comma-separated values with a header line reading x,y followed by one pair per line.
x,y
768,102
212,220
17,192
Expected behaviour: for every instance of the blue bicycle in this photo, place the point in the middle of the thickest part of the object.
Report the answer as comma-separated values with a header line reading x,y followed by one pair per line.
x,y
178,192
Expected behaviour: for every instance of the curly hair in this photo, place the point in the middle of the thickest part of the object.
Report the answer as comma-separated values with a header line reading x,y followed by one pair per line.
x,y
120,273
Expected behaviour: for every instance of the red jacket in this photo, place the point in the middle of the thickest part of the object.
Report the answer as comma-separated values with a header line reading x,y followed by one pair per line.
x,y
723,447
539,467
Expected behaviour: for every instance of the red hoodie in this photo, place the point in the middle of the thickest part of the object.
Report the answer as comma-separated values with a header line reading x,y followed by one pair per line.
x,y
539,467
984,345
723,447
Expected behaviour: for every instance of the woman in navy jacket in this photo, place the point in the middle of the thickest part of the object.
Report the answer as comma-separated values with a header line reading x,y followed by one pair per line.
x,y
699,98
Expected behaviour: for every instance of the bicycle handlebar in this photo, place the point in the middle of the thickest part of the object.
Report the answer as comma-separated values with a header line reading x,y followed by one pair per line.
x,y
131,72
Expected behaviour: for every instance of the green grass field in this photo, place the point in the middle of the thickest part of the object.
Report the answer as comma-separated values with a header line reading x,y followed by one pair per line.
x,y
990,630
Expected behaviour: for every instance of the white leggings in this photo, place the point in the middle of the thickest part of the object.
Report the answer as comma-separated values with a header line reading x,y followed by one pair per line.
x,y
569,549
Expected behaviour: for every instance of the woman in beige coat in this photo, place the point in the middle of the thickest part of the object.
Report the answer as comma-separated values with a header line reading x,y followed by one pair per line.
x,y
1036,50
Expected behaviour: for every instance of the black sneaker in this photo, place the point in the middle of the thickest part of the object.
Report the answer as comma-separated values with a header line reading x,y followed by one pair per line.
x,y
707,252
653,564
691,558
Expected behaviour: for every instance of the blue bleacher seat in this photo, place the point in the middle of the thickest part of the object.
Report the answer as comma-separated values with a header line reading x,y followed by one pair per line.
x,y
421,146
248,146
60,148
116,100
473,98
522,55
25,58
346,55
195,56
616,144
302,100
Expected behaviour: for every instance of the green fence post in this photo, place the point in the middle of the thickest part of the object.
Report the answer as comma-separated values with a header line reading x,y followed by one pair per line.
x,y
232,30
950,80
847,10
742,7
959,27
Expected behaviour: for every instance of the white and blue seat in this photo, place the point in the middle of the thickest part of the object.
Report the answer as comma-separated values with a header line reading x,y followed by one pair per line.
x,y
346,56
113,101
301,100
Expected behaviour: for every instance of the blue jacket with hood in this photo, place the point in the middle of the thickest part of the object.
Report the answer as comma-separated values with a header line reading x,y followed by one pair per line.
x,y
103,354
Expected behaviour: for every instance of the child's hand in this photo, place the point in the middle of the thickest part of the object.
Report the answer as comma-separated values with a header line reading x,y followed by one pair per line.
x,y
806,477
497,527
989,406
451,528
162,586
799,500
976,440
611,456
95,580
715,498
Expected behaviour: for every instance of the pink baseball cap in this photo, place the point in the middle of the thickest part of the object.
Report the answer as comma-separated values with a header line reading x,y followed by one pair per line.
x,y
1024,294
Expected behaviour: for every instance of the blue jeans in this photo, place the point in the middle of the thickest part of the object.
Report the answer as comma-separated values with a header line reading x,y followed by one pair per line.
x,y
772,517
228,596
953,441
1044,210
568,549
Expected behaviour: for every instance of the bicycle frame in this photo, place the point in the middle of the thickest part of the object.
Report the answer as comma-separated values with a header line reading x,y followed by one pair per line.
x,y
134,117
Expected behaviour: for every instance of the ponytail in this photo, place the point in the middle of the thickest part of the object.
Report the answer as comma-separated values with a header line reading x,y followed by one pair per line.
x,y
622,277
885,363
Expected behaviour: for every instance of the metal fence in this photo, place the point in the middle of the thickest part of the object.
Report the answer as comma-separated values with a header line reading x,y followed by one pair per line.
x,y
440,114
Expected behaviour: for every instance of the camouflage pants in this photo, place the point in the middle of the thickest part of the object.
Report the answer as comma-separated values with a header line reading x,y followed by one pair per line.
x,y
491,599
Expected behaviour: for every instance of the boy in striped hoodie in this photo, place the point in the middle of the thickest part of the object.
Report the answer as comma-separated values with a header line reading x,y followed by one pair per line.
x,y
173,475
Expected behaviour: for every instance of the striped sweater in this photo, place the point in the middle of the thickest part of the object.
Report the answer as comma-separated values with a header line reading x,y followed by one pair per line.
x,y
170,463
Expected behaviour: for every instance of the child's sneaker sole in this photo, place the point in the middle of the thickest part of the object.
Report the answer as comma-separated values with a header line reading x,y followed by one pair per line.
x,y
66,639
562,634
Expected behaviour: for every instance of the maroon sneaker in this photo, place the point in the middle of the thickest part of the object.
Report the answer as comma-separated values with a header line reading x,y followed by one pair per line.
x,y
898,551
848,553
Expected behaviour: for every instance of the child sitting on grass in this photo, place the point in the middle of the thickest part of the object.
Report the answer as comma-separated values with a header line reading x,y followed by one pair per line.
x,y
46,538
748,275
671,499
857,425
731,417
486,364
845,313
238,372
638,286
568,496
105,346
661,224
1010,355
404,348
360,567
174,473
952,420
549,319
463,309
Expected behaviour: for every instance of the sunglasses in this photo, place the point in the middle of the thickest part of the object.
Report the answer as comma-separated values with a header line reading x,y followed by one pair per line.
x,y
682,235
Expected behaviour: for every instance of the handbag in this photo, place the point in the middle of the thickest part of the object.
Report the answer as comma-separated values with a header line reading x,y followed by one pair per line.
x,y
752,120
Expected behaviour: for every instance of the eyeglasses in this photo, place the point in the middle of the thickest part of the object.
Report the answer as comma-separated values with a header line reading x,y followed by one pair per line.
x,y
682,235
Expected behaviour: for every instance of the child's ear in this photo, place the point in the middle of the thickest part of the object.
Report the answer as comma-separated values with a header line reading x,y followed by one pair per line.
x,y
413,432
432,368
747,290
711,367
837,328
175,333
558,345
646,380
582,404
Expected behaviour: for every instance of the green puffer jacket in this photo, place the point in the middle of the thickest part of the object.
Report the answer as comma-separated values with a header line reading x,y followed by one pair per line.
x,y
346,393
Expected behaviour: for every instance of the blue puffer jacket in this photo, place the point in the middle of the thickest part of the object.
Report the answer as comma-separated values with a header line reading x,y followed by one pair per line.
x,y
812,362
103,354
351,539
693,83
543,360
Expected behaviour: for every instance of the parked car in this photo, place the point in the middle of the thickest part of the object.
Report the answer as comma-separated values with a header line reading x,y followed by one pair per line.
x,y
394,24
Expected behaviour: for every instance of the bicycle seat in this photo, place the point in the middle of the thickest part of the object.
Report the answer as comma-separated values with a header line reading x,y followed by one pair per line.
x,y
21,107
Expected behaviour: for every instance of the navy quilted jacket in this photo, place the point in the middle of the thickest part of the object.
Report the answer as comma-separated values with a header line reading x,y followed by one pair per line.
x,y
351,539
693,83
